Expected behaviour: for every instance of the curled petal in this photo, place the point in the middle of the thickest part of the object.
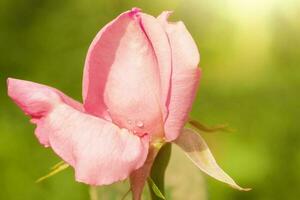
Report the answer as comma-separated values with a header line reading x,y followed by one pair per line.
x,y
185,75
184,49
100,152
197,150
161,46
121,76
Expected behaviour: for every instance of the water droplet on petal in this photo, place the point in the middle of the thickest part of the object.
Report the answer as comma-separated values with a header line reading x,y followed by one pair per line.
x,y
129,121
140,124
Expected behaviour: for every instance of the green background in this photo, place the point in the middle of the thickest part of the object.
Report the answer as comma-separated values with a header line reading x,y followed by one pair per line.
x,y
250,56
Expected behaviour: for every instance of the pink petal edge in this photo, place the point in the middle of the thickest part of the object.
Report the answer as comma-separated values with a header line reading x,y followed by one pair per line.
x,y
100,152
185,75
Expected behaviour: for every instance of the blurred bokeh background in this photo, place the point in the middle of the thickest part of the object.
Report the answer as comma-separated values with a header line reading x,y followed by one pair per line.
x,y
250,56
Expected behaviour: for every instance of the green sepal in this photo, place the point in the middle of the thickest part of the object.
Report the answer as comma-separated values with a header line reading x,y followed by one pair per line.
x,y
158,169
155,189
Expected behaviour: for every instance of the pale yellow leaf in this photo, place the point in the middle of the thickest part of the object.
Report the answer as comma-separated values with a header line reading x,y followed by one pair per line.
x,y
197,150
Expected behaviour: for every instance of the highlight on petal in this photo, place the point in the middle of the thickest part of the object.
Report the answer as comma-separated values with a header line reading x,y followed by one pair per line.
x,y
100,152
185,75
197,150
162,49
121,76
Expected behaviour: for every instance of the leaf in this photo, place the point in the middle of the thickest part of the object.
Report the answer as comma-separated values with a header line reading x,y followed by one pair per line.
x,y
54,170
158,169
201,127
155,188
197,150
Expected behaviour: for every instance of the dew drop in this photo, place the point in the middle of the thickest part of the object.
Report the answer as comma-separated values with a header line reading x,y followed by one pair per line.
x,y
140,124
129,121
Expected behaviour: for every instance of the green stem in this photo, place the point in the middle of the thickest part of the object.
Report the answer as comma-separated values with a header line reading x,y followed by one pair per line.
x,y
93,193
158,170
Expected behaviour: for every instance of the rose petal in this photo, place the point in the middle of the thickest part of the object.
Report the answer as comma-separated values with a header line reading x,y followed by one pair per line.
x,y
122,77
162,49
37,100
185,75
100,152
197,150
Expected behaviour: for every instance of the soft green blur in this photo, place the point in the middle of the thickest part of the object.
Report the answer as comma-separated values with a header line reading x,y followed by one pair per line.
x,y
250,56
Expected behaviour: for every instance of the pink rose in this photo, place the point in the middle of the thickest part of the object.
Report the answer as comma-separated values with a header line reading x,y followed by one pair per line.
x,y
140,78
139,82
